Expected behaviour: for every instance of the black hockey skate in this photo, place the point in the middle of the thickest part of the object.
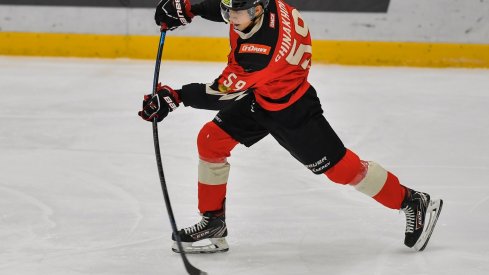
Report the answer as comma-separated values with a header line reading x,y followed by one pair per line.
x,y
211,228
421,216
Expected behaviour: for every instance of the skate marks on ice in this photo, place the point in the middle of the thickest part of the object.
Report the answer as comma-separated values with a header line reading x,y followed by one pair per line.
x,y
79,189
24,221
33,229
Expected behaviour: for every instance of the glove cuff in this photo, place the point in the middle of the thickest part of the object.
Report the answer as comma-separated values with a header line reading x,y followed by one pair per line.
x,y
188,9
173,93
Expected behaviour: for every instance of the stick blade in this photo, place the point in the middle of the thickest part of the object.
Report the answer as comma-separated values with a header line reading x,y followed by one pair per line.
x,y
192,270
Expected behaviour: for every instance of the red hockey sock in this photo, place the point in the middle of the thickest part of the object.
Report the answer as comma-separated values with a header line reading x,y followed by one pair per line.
x,y
211,197
392,193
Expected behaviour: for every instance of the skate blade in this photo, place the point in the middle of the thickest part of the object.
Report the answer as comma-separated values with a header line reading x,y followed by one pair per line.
x,y
216,245
434,210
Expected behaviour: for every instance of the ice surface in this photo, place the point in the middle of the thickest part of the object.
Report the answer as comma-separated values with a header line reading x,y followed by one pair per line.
x,y
79,189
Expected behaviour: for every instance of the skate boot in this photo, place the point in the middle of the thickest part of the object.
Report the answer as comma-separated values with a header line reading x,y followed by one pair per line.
x,y
212,228
421,216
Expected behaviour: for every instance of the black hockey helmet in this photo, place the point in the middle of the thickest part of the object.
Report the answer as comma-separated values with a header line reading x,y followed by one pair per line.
x,y
237,5
243,4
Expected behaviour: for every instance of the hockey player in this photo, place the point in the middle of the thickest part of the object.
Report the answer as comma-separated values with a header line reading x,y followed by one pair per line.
x,y
264,90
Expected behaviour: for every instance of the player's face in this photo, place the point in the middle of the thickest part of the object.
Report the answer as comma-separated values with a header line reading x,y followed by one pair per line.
x,y
240,19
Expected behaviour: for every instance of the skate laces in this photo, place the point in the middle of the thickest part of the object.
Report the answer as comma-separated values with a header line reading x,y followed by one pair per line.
x,y
417,203
198,226
410,219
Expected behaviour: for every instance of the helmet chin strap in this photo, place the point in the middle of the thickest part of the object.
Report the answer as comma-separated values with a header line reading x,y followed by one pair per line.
x,y
253,16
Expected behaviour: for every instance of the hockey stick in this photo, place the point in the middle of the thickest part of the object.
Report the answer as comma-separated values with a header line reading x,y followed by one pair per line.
x,y
192,270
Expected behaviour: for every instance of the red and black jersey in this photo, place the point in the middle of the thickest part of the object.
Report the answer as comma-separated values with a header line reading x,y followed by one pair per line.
x,y
272,59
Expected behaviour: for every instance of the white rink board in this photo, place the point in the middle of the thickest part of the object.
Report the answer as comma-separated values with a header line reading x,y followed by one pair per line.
x,y
79,191
449,21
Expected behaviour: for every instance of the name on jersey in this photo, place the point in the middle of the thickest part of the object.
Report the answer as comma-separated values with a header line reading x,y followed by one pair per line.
x,y
286,32
255,48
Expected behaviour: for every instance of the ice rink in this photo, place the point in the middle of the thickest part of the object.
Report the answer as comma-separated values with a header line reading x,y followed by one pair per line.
x,y
79,189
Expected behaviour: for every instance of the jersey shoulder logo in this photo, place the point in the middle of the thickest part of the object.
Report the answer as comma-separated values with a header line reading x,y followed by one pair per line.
x,y
272,20
255,48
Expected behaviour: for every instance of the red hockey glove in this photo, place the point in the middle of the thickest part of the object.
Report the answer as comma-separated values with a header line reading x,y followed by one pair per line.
x,y
158,106
173,13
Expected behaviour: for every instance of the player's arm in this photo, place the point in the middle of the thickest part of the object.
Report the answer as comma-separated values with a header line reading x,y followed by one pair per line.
x,y
196,95
208,9
235,78
207,96
233,84
173,13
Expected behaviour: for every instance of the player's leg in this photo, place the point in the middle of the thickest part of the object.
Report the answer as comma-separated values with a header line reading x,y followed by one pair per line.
x,y
215,142
374,181
214,147
310,138
232,125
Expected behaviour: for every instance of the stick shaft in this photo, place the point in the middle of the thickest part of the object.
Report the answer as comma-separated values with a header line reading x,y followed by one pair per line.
x,y
188,266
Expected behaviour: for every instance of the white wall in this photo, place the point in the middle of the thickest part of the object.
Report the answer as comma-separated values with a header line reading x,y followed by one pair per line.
x,y
457,21
462,21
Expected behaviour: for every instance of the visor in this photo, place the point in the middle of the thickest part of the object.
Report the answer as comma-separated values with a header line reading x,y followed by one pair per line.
x,y
225,12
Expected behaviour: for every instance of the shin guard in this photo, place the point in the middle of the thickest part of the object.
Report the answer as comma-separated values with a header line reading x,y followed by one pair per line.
x,y
369,178
215,147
